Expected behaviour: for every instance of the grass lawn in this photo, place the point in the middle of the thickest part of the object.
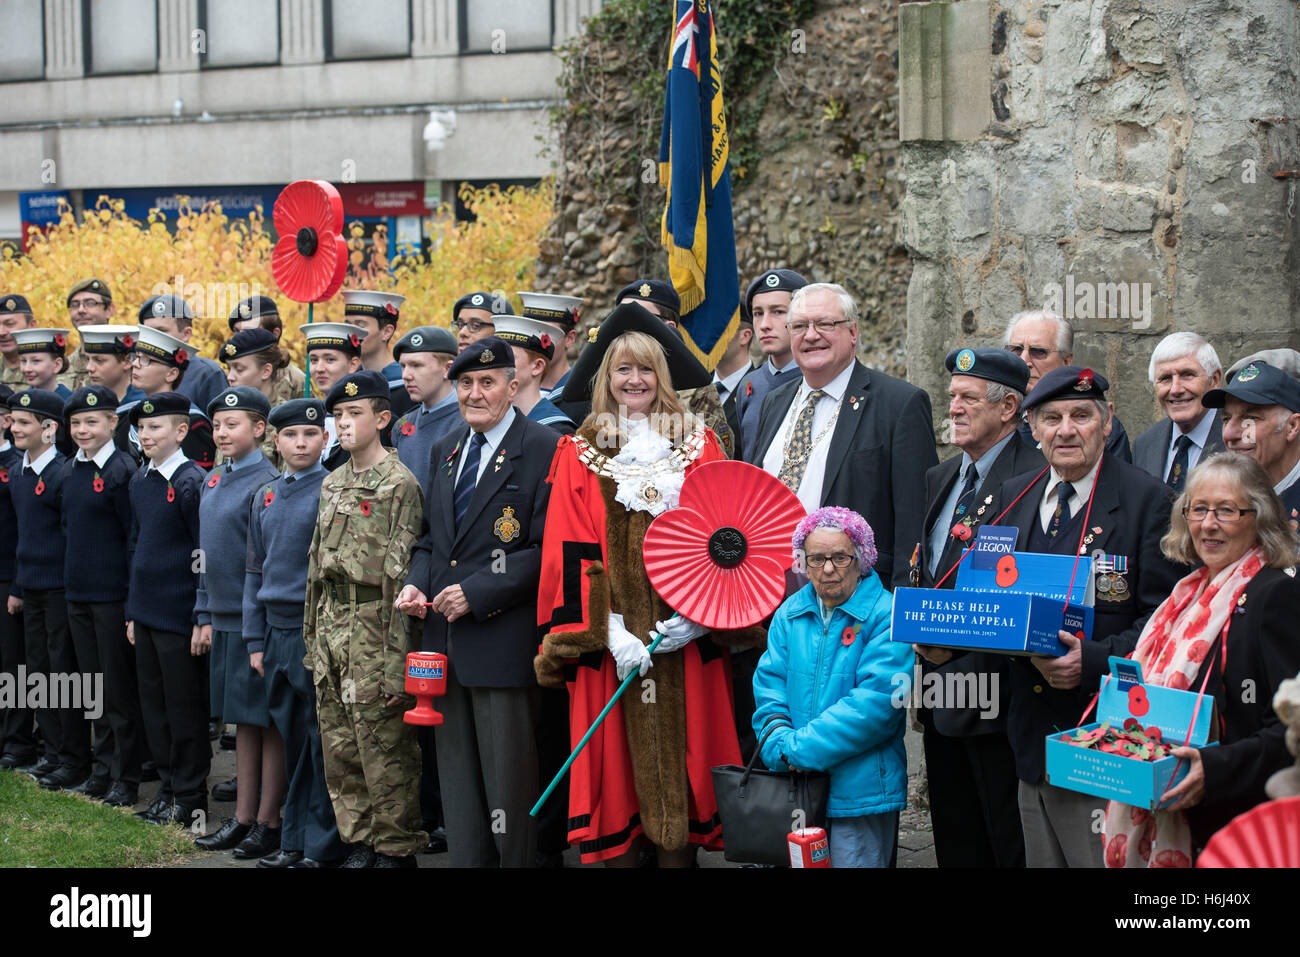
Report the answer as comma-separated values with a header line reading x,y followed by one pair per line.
x,y
55,829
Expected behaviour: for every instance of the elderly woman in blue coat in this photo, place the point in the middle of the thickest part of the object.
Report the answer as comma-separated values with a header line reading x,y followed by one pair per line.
x,y
827,683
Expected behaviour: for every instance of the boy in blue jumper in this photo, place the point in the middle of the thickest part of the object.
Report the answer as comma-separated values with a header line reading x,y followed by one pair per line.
x,y
238,417
275,588
36,416
171,670
17,734
97,523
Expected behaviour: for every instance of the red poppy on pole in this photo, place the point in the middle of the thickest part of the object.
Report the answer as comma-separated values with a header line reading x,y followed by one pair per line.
x,y
720,557
311,256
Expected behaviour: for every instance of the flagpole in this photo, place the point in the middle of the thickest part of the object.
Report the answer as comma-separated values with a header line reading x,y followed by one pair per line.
x,y
306,386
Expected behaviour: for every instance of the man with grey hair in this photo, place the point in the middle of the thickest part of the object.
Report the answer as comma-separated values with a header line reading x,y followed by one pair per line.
x,y
1183,368
843,434
1045,341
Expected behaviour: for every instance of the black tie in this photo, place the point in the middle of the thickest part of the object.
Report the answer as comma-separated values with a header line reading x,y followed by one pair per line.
x,y
967,490
468,477
1062,513
1178,471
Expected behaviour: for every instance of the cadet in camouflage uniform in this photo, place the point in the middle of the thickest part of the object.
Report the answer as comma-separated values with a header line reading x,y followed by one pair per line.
x,y
90,303
356,642
15,313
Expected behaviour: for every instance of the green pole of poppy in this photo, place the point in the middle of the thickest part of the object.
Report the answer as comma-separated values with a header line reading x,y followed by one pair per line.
x,y
306,386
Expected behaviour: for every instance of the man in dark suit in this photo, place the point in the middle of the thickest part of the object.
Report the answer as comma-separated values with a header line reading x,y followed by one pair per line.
x,y
1183,368
969,763
1093,505
1261,418
843,434
474,578
734,365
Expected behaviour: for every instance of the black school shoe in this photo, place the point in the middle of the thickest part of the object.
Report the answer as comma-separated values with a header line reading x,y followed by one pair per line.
x,y
225,837
362,856
226,790
387,860
12,762
262,839
281,859
61,778
92,787
182,812
155,810
120,794
43,767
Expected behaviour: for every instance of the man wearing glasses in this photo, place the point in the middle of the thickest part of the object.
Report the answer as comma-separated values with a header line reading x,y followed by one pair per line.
x,y
843,434
474,314
90,303
1046,342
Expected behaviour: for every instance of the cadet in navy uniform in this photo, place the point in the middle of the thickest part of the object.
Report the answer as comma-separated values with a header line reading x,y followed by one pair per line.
x,y
333,351
36,416
768,302
172,672
425,353
487,496
377,313
275,588
108,359
42,357
533,348
17,736
97,522
238,692
173,315
562,312
160,362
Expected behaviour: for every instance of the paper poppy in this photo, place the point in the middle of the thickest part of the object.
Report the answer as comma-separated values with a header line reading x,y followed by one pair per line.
x,y
720,557
355,340
40,486
546,341
60,340
171,493
365,508
4,476
850,632
213,479
98,483
408,428
128,340
182,357
1268,835
311,257
961,532
268,498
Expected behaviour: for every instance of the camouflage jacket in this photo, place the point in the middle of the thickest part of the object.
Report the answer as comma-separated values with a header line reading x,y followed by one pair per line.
x,y
287,383
12,377
705,403
77,374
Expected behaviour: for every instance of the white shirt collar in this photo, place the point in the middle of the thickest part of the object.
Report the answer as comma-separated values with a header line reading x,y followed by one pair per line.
x,y
731,381
1200,433
835,388
100,457
493,436
1291,478
169,467
4,445
42,460
1082,487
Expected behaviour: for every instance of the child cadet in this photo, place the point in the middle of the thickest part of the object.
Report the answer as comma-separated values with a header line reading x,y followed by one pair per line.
x,y
171,671
261,312
253,358
377,313
159,363
97,522
533,347
107,351
425,353
17,736
238,692
333,351
36,416
42,357
356,643
275,586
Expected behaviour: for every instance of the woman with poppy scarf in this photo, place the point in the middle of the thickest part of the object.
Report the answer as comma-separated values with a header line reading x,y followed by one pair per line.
x,y
825,690
1227,628
645,772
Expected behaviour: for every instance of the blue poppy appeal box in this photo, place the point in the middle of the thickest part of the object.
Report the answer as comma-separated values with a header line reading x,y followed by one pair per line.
x,y
1140,783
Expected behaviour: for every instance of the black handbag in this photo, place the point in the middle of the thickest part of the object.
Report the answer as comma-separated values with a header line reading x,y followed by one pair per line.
x,y
760,808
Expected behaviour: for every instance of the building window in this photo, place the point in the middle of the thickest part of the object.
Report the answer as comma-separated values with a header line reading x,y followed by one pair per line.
x,y
22,40
240,32
364,29
123,36
505,26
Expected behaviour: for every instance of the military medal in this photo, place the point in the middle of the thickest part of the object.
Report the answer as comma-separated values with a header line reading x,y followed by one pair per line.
x,y
507,526
501,457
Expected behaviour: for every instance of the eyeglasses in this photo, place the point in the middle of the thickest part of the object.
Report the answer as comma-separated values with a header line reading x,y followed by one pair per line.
x,y
823,326
839,560
142,361
85,305
1037,353
1226,514
474,325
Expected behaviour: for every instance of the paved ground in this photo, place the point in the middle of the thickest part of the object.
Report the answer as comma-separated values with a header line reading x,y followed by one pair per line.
x,y
915,842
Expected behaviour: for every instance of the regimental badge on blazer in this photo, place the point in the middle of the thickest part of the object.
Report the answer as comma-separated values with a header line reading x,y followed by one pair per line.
x,y
506,527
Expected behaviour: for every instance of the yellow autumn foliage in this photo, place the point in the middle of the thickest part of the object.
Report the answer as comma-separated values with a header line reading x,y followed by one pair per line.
x,y
214,261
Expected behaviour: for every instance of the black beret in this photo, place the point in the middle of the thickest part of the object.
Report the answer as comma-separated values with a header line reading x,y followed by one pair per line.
x,y
166,307
40,402
486,353
90,398
683,368
365,384
12,302
5,393
97,286
1067,382
246,343
996,365
497,305
240,398
160,403
427,339
298,412
774,280
652,290
1259,384
254,307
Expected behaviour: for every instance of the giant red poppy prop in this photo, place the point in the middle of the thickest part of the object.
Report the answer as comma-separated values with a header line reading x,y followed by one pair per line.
x,y
1265,836
720,557
311,256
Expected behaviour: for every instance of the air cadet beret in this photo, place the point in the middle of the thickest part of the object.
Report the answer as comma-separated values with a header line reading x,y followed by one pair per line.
x,y
166,307
380,306
343,336
254,307
486,353
97,286
5,393
90,398
41,402
1067,382
774,280
562,311
52,341
161,345
251,341
427,339
996,365
298,412
531,334
1258,383
14,303
107,340
240,398
683,368
652,290
365,384
160,403
497,305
